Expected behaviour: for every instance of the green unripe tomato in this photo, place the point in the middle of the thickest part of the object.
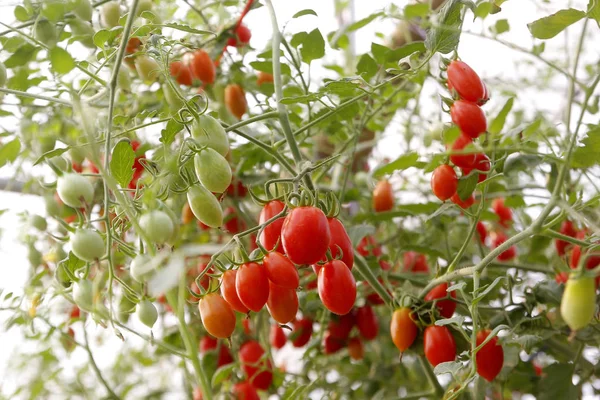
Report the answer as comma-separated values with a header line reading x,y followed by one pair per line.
x,y
87,244
83,32
143,5
110,13
207,131
46,33
124,80
578,303
205,206
75,190
212,170
125,308
3,76
77,155
147,313
52,207
139,268
38,222
54,10
174,102
83,9
83,295
147,68
157,226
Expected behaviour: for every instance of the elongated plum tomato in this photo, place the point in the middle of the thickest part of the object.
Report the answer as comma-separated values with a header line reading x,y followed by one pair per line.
x,y
157,226
356,349
383,196
252,286
446,307
229,291
181,72
272,232
235,100
463,203
75,190
504,213
469,118
481,232
253,360
217,315
207,131
336,287
507,254
340,326
212,170
303,329
490,357
305,235
462,160
243,34
568,229
202,67
208,343
578,303
233,224
403,329
482,163
444,182
282,303
465,81
415,262
281,271
264,77
277,336
87,244
245,391
332,344
340,241
147,313
439,345
147,68
205,206
366,322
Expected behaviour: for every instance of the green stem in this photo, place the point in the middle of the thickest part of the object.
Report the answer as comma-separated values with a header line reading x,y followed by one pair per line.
x,y
363,268
268,115
36,96
433,381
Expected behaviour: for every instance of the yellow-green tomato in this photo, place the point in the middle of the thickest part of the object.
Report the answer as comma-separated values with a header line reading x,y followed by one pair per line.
x,y
75,190
157,225
83,295
578,303
207,131
173,100
147,68
143,5
83,9
205,206
212,170
87,244
111,12
146,312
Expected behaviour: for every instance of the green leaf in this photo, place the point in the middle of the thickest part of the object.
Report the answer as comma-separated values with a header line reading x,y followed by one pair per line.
x,y
527,342
72,263
21,13
452,367
298,39
483,9
521,162
344,88
305,12
466,186
501,26
588,155
498,123
222,373
22,56
167,135
593,10
50,154
458,320
552,25
402,210
363,22
101,37
403,162
444,37
61,60
313,46
366,67
488,289
416,10
267,66
185,28
9,151
121,163
358,232
405,51
380,52
301,99
557,383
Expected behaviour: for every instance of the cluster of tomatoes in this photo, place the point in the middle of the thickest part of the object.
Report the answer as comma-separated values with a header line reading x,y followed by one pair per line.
x,y
573,252
339,332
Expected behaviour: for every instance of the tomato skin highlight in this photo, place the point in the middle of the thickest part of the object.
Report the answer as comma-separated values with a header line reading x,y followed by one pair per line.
x,y
490,357
282,303
272,232
444,182
439,345
235,100
252,359
217,315
445,307
208,343
202,67
469,118
303,329
466,160
277,337
281,271
465,81
252,286
305,235
578,302
383,196
366,322
229,291
403,329
336,287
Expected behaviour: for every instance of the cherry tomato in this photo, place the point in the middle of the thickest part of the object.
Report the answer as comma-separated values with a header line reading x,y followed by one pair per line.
x,y
281,271
578,303
252,285
237,189
245,391
256,365
368,247
207,131
133,45
282,303
235,100
340,240
75,190
366,321
444,182
469,118
110,13
87,244
446,307
213,170
439,345
243,34
504,213
303,329
403,329
336,287
567,228
331,344
272,232
415,262
305,235
181,72
340,326
490,357
277,336
463,203
217,315
466,160
482,163
465,82
264,77
202,67
229,291
383,196
205,206
356,349
147,68
157,226
75,313
208,343
481,232
507,254
233,224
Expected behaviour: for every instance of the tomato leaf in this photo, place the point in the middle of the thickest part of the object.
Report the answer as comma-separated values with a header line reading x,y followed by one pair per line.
x,y
9,151
416,10
306,11
466,186
498,123
358,232
185,28
61,60
51,154
222,373
444,37
366,67
363,22
21,13
552,25
452,367
405,51
267,66
588,155
121,163
22,56
487,289
403,162
380,52
167,135
593,10
557,382
313,46
459,320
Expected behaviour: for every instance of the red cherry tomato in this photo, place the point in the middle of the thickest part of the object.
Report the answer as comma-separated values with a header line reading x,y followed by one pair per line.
x,y
303,329
229,291
567,228
332,344
305,235
133,44
446,307
252,286
383,196
465,82
181,72
237,189
481,232
366,321
340,240
282,303
277,336
356,349
255,365
336,287
75,313
217,315
463,203
243,34
415,262
469,118
232,223
490,357
403,329
444,182
281,271
439,345
340,326
208,343
245,391
504,213
482,163
272,232
368,247
561,277
466,160
202,67
508,254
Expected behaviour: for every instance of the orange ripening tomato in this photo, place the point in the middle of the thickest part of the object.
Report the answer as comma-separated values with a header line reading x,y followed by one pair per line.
x,y
181,72
202,67
282,303
235,100
383,196
264,77
403,329
217,316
